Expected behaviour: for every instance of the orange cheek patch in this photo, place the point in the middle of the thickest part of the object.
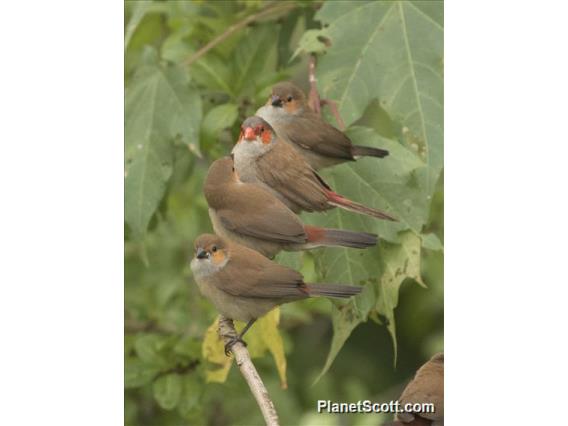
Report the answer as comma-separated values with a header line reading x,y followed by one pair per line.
x,y
290,106
218,257
266,137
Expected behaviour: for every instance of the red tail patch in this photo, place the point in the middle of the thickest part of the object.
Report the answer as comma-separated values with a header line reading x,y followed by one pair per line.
x,y
314,233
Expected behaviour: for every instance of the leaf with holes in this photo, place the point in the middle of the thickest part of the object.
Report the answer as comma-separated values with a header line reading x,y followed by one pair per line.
x,y
392,64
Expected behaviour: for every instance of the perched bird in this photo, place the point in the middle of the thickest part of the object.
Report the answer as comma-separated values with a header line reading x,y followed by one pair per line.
x,y
261,157
426,387
289,114
252,216
244,285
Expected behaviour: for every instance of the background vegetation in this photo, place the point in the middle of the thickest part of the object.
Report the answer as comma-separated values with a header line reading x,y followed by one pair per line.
x,y
382,62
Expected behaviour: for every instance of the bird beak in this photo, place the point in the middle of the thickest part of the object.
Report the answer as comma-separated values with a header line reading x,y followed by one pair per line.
x,y
201,254
249,134
276,101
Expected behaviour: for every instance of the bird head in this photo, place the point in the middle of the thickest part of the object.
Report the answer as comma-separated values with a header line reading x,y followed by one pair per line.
x,y
256,130
288,97
221,171
211,254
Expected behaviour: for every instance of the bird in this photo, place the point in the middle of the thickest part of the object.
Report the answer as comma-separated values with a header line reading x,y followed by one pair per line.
x,y
245,285
260,156
427,386
289,114
252,216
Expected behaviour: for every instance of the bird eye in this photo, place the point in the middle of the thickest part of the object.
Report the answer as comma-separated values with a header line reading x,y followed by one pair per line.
x,y
289,99
214,249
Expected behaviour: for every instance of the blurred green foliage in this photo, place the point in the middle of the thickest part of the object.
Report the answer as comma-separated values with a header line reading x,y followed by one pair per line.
x,y
382,63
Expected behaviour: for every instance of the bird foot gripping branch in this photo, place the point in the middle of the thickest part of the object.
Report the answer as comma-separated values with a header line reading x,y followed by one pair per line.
x,y
229,334
242,357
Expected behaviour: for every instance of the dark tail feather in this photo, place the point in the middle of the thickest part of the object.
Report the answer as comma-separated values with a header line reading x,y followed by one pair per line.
x,y
333,290
344,203
367,151
339,237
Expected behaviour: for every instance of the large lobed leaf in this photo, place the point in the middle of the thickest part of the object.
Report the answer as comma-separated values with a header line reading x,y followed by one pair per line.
x,y
159,107
395,57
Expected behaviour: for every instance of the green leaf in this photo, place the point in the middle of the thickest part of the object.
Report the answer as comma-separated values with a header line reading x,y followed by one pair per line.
x,y
167,390
396,56
213,72
312,41
251,55
150,348
345,317
159,107
137,373
189,406
389,69
189,347
217,119
139,9
400,262
391,184
431,242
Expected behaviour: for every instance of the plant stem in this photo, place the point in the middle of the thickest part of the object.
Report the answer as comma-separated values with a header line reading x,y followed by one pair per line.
x,y
273,8
242,357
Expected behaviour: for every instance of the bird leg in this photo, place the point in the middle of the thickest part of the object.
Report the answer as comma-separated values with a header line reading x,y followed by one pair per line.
x,y
239,338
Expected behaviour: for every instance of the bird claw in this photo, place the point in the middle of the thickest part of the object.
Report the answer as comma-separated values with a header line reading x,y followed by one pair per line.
x,y
230,343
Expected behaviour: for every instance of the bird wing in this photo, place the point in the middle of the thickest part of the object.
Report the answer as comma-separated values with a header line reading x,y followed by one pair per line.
x,y
259,277
287,172
252,210
310,132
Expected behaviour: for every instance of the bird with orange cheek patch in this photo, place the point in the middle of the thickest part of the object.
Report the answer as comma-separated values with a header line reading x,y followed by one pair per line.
x,y
260,156
289,114
251,215
244,285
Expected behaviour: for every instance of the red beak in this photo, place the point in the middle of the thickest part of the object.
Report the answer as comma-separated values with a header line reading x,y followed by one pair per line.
x,y
249,134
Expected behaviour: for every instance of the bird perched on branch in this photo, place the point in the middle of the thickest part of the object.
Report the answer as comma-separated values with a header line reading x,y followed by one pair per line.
x,y
289,114
426,387
244,285
252,216
260,156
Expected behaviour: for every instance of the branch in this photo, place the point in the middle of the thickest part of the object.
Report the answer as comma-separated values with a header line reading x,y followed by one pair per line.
x,y
227,332
314,99
276,7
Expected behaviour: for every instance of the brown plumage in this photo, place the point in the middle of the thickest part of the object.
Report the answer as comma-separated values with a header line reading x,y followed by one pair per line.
x,y
252,216
426,387
323,145
244,285
260,156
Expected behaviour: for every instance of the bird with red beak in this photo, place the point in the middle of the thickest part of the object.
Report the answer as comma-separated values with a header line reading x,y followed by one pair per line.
x,y
252,216
244,285
260,156
289,114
